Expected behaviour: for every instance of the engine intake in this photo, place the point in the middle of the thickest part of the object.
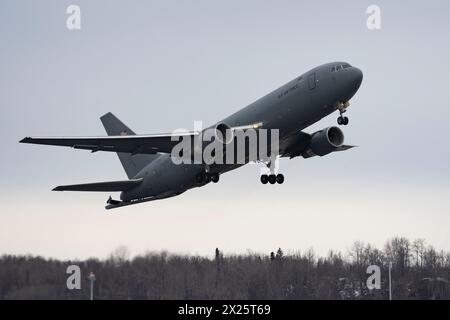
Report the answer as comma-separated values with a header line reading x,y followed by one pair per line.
x,y
324,142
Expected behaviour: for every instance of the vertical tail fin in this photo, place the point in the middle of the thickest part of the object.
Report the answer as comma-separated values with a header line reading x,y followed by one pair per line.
x,y
132,164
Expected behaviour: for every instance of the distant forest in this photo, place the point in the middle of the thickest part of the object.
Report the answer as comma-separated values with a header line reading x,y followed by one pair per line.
x,y
418,272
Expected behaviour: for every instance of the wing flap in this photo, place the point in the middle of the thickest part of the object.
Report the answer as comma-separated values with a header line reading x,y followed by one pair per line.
x,y
110,186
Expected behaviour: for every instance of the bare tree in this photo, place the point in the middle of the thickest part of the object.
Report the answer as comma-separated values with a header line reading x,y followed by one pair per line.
x,y
418,248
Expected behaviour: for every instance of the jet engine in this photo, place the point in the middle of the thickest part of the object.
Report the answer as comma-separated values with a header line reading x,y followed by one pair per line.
x,y
324,142
224,133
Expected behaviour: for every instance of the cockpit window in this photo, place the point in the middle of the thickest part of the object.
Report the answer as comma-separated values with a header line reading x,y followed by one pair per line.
x,y
340,66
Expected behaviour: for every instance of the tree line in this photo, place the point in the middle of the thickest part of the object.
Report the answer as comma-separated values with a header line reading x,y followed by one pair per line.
x,y
418,272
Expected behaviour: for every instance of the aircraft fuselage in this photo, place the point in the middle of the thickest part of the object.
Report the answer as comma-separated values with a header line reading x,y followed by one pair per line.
x,y
290,109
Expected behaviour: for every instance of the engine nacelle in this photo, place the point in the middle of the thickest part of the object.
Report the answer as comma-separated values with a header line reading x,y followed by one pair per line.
x,y
224,134
324,142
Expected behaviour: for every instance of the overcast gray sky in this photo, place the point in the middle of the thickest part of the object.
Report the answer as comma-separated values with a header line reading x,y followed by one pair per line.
x,y
161,65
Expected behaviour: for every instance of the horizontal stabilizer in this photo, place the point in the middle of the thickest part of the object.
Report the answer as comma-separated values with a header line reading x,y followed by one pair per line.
x,y
113,204
110,186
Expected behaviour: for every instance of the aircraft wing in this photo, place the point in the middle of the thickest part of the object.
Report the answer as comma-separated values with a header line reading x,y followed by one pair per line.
x,y
134,144
110,186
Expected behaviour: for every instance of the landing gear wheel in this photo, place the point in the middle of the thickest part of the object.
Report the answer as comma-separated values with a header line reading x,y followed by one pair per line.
x,y
345,121
342,121
272,179
215,177
208,178
264,179
280,178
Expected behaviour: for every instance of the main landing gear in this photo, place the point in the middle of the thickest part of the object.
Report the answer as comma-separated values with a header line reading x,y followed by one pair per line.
x,y
272,178
206,177
342,109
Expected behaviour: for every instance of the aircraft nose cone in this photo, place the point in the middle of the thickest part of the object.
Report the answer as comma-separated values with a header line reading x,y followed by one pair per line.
x,y
350,83
357,78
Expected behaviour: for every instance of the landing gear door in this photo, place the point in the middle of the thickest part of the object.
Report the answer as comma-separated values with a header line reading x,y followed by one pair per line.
x,y
312,81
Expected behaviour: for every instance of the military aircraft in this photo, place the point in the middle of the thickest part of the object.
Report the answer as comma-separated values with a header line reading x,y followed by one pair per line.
x,y
148,163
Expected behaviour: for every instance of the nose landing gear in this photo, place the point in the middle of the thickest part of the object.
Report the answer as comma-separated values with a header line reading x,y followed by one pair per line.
x,y
342,120
342,109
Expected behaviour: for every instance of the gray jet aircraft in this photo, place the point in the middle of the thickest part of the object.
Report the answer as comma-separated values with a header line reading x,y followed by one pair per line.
x,y
152,173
